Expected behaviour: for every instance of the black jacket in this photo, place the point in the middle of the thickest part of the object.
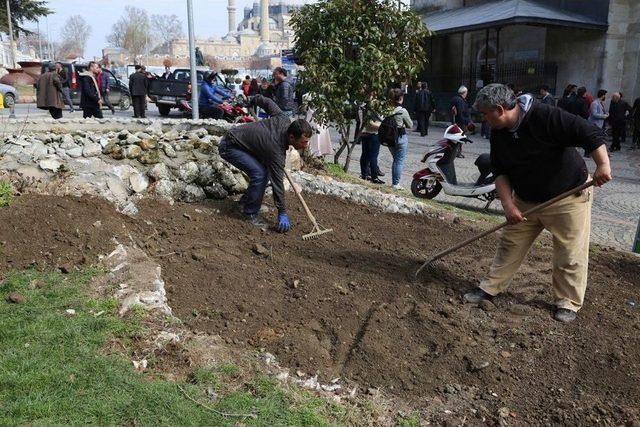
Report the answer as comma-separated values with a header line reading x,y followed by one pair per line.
x,y
539,157
618,112
64,78
89,95
138,84
285,95
463,112
267,141
424,101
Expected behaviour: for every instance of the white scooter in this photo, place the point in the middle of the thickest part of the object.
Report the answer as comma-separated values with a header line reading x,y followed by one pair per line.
x,y
440,173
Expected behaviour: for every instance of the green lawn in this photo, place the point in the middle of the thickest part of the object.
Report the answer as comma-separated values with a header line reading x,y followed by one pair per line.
x,y
54,369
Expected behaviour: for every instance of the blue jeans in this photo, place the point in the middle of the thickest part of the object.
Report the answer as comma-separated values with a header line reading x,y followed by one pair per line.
x,y
399,153
258,175
369,157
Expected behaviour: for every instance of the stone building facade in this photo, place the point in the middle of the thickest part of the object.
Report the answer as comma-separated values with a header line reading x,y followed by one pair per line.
x,y
595,44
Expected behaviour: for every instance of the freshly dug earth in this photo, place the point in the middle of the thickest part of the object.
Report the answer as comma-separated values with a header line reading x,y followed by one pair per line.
x,y
344,305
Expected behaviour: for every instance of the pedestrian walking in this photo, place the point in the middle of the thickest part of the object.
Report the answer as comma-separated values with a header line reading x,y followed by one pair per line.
x,y
399,150
64,80
460,112
597,113
49,90
138,87
370,151
424,105
546,97
284,92
534,159
320,141
90,98
259,149
103,83
618,110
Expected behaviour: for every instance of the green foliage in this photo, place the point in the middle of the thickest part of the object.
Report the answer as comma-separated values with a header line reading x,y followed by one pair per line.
x,y
54,369
22,11
352,51
6,194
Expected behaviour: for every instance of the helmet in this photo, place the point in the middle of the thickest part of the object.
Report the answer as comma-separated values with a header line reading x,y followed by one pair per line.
x,y
454,133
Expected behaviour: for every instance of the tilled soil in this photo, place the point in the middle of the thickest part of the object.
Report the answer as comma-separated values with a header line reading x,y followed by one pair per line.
x,y
345,305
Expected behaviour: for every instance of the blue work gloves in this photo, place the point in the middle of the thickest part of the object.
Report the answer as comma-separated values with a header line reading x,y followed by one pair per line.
x,y
283,223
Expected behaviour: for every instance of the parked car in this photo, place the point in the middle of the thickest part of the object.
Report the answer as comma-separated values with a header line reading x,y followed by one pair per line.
x,y
118,90
9,95
170,93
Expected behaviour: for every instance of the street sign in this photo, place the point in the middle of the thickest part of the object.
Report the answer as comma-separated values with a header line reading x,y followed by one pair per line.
x,y
636,244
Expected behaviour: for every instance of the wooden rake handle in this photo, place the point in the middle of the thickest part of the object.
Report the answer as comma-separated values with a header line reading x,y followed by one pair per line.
x,y
505,223
304,204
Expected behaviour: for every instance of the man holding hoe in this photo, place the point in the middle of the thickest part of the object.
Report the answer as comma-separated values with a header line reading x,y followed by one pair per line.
x,y
259,149
534,159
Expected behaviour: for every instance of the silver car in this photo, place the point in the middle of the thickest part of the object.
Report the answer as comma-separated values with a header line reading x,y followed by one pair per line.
x,y
9,95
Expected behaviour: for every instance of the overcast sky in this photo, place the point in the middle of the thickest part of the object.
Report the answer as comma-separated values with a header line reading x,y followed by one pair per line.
x,y
210,16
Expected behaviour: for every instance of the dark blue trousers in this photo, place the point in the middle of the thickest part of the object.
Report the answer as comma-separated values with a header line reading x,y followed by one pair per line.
x,y
257,172
369,157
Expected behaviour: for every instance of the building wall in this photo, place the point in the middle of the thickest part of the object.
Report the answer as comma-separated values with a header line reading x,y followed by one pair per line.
x,y
631,70
580,61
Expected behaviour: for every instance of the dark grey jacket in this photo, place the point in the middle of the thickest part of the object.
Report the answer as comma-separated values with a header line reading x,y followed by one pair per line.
x,y
285,95
267,141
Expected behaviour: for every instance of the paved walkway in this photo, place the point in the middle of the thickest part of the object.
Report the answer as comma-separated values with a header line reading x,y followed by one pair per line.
x,y
616,207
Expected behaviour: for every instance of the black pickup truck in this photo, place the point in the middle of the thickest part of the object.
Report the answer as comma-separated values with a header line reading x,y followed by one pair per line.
x,y
169,93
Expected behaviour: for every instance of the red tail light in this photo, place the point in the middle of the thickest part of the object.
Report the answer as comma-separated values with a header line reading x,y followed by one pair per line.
x,y
74,82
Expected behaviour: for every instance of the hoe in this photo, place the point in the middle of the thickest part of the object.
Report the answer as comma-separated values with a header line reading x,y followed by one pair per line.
x,y
317,230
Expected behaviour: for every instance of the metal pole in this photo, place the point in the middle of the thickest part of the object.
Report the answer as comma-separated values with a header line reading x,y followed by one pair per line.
x,y
192,62
39,40
11,42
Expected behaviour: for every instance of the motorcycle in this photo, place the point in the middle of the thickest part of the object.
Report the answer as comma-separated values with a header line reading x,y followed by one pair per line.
x,y
440,173
233,112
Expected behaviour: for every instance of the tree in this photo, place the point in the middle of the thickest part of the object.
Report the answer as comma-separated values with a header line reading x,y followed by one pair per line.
x,y
131,31
21,11
74,35
352,51
165,28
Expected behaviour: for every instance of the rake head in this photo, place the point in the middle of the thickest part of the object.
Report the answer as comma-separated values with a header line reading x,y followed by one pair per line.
x,y
431,264
317,231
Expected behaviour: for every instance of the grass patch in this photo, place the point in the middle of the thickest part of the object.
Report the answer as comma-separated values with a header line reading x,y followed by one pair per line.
x,y
54,369
336,171
6,194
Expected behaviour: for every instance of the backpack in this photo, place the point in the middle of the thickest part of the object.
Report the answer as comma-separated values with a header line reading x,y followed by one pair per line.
x,y
389,131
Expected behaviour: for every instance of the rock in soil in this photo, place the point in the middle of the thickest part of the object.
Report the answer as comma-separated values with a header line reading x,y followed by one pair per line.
x,y
259,249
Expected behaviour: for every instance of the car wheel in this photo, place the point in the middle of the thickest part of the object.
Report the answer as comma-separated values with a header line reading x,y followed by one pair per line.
x,y
9,100
164,110
125,103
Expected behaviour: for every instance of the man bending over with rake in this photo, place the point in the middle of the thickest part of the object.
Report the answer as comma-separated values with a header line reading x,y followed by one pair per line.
x,y
534,159
259,149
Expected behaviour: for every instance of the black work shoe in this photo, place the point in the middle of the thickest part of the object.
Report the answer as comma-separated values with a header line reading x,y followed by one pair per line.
x,y
380,173
377,181
476,296
255,220
565,315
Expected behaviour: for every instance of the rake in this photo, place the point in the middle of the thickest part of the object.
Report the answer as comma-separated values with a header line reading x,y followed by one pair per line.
x,y
433,259
317,230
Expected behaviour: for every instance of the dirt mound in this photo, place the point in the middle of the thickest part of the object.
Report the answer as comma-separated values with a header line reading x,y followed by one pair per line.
x,y
344,306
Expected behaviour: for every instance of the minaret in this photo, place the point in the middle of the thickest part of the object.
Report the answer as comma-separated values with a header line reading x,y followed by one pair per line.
x,y
231,8
264,21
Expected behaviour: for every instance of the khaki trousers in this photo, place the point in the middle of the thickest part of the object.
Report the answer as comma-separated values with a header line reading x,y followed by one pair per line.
x,y
569,222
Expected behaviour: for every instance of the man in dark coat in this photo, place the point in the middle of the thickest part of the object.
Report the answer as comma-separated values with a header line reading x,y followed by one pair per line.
x,y
423,105
460,112
284,92
546,97
90,98
138,86
50,93
618,110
